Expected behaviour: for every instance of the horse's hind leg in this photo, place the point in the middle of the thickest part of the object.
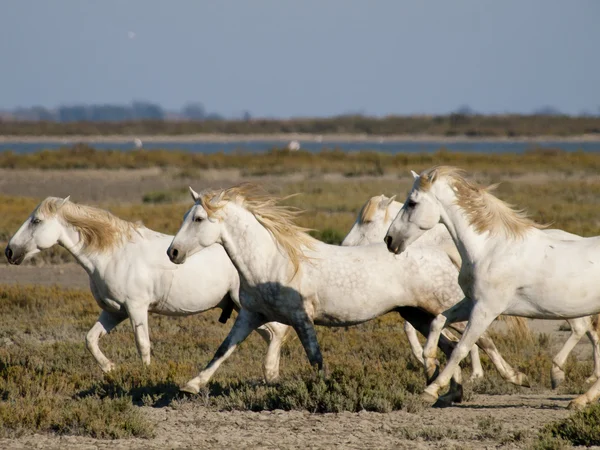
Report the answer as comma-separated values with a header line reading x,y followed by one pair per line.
x,y
245,323
591,395
413,340
106,322
308,337
593,335
578,328
274,333
476,369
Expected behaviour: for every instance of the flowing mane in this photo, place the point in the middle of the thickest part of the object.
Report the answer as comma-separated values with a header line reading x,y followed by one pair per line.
x,y
277,219
99,229
484,211
367,212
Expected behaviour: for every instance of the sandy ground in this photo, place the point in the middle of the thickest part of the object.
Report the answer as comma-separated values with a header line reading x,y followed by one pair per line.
x,y
196,427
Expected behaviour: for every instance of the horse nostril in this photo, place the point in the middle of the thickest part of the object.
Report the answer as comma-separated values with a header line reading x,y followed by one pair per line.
x,y
9,253
388,242
174,253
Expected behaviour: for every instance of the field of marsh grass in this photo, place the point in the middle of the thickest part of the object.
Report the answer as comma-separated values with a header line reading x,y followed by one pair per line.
x,y
50,384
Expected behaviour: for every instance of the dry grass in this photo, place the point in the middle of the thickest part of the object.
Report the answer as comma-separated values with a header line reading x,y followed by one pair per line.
x,y
49,382
281,161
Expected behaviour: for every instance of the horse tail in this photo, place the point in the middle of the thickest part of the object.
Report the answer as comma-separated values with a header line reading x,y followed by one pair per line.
x,y
518,325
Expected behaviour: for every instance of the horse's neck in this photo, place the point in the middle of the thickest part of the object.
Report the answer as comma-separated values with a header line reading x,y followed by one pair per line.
x,y
467,240
251,247
94,262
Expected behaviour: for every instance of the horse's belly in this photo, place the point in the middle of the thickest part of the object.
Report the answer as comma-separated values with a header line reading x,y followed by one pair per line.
x,y
553,301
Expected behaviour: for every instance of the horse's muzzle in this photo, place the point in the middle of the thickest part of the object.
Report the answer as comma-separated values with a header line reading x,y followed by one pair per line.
x,y
393,247
12,257
175,255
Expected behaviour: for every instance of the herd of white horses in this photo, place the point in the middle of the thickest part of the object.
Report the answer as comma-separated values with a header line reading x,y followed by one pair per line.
x,y
452,255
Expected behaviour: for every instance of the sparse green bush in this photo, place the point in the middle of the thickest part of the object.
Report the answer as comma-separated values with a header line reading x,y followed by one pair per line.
x,y
582,428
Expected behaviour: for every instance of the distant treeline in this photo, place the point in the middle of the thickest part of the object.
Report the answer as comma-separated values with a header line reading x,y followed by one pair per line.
x,y
137,110
456,124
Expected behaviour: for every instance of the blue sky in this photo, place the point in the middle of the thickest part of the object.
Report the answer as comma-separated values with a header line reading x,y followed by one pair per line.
x,y
304,58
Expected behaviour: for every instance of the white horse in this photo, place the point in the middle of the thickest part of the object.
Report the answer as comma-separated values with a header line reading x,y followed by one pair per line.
x,y
130,273
297,280
510,266
371,225
373,221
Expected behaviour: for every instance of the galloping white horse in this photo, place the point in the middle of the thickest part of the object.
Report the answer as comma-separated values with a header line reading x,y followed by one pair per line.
x,y
297,280
371,225
509,266
373,221
130,273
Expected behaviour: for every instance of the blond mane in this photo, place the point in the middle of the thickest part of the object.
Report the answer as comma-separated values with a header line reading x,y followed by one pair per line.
x,y
99,229
369,209
484,211
277,219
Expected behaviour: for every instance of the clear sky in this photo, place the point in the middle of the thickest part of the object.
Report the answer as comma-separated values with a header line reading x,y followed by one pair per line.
x,y
303,58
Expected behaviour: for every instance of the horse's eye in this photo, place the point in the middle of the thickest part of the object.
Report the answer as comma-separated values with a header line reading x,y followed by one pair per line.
x,y
411,204
198,219
36,221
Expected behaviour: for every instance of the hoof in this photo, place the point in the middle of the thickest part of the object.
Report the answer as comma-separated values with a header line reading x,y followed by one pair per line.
x,y
557,376
109,367
522,380
271,379
576,405
449,399
476,376
190,389
429,398
442,402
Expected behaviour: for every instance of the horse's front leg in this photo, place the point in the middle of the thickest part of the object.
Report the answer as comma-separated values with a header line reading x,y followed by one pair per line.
x,y
458,313
481,318
421,320
139,322
476,369
105,323
245,323
274,333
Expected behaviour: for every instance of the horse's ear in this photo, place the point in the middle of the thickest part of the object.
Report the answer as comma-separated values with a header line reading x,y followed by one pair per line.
x,y
414,174
194,194
390,201
63,202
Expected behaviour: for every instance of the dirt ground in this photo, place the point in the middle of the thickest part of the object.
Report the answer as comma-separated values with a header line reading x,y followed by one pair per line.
x,y
196,427
484,421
